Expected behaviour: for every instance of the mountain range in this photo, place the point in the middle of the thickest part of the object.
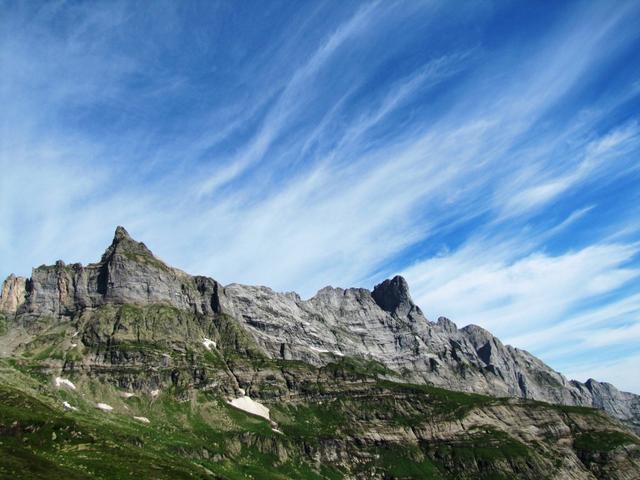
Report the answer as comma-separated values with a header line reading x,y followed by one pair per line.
x,y
170,375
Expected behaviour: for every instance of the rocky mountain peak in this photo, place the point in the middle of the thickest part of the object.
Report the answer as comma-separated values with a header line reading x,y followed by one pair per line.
x,y
477,334
124,244
383,325
128,272
393,296
447,325
121,234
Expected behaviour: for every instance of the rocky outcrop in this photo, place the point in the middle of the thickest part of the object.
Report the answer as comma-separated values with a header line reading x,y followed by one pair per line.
x,y
621,405
293,419
383,325
393,297
127,273
13,294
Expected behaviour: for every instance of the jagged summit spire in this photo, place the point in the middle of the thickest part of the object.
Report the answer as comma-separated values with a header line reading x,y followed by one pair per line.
x,y
392,295
122,242
121,234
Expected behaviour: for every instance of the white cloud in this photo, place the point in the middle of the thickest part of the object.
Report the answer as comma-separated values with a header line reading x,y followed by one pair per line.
x,y
582,328
292,99
502,291
599,158
604,337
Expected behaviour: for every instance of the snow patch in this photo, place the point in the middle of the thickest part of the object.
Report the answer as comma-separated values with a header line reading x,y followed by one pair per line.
x,y
63,382
142,419
251,406
208,343
322,350
104,407
75,334
277,431
242,392
68,406
155,393
74,345
319,350
127,394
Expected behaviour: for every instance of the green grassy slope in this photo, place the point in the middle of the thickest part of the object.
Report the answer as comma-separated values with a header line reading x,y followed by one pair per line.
x,y
344,420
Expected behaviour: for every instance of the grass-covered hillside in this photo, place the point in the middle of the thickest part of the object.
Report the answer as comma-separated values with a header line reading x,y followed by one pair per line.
x,y
170,415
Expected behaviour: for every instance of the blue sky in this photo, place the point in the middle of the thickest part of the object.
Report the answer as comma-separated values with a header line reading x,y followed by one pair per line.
x,y
488,151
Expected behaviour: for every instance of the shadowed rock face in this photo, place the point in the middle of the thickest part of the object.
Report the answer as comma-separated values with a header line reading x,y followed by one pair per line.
x,y
382,325
393,296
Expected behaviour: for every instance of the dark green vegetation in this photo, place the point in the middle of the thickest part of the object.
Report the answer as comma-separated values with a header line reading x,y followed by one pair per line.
x,y
39,439
347,419
604,441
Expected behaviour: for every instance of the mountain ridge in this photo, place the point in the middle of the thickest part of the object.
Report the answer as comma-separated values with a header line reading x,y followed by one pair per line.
x,y
383,324
128,361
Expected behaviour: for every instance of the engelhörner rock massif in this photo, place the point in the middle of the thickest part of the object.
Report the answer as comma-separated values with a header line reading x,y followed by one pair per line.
x,y
179,376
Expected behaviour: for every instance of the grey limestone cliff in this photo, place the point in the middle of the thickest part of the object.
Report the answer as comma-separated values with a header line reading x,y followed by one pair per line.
x,y
382,325
13,292
127,273
386,326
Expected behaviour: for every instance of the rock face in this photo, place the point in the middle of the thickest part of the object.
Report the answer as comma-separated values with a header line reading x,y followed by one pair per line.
x,y
393,297
287,419
127,273
386,326
383,325
13,293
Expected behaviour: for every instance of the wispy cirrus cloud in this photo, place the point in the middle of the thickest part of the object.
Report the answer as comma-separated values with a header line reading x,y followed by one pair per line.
x,y
496,287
